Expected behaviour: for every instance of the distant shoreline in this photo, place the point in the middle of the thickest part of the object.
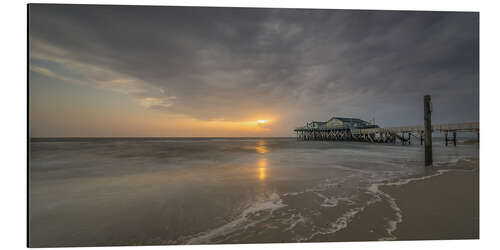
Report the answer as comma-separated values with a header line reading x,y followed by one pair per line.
x,y
469,140
167,137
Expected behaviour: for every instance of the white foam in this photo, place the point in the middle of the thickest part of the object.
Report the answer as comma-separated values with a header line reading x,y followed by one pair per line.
x,y
453,161
393,224
294,220
339,224
273,202
333,201
322,186
375,187
330,202
344,220
270,204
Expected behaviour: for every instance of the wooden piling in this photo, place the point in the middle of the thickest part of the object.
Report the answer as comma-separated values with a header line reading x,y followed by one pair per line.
x,y
455,138
446,138
428,130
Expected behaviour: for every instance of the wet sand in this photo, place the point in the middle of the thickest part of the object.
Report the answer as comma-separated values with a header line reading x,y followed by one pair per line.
x,y
444,206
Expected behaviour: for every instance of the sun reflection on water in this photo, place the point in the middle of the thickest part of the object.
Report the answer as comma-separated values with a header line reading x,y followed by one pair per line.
x,y
261,147
262,173
262,167
262,163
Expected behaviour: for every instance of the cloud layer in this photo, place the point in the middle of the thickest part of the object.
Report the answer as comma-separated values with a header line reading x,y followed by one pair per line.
x,y
237,63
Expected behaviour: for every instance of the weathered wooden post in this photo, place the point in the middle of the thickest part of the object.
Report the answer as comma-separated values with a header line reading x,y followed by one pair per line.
x,y
455,138
428,130
421,138
446,138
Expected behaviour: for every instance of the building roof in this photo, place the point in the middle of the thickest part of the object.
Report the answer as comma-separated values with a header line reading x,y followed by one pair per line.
x,y
355,123
345,119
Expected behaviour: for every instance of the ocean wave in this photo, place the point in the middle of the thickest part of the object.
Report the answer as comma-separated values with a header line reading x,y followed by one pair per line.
x,y
269,204
453,162
339,224
294,220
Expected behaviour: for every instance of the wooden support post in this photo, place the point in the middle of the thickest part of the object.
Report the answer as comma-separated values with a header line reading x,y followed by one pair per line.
x,y
409,138
446,138
421,138
428,130
455,138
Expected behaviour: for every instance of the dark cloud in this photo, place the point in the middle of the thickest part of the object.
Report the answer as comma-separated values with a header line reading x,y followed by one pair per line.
x,y
229,63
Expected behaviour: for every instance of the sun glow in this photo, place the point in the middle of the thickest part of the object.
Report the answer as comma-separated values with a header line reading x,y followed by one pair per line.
x,y
181,125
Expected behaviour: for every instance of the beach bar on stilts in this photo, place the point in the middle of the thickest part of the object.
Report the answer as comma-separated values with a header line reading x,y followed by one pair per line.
x,y
355,129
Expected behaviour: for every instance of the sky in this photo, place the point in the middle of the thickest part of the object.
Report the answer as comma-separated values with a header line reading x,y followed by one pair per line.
x,y
118,71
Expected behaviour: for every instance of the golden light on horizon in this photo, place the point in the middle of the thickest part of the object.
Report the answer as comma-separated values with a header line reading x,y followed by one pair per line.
x,y
263,124
249,125
181,125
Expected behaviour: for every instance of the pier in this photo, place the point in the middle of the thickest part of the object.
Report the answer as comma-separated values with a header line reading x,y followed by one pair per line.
x,y
355,129
404,135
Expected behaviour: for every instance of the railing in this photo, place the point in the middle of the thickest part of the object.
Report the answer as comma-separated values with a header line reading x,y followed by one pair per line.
x,y
468,126
321,128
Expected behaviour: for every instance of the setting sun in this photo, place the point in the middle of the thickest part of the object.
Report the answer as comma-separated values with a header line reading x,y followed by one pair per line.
x,y
261,121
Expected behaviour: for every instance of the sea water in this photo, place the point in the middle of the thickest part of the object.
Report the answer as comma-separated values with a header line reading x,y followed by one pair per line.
x,y
147,191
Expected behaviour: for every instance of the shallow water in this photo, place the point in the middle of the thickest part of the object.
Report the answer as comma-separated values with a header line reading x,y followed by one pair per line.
x,y
138,191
